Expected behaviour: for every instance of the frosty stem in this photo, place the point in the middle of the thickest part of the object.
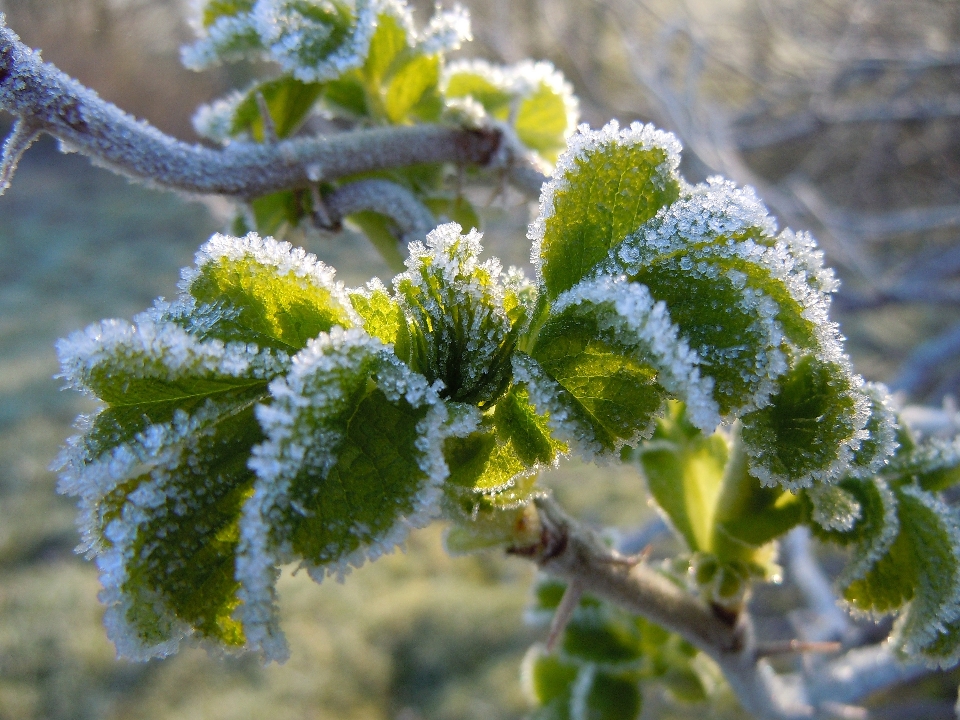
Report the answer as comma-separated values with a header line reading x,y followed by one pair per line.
x,y
573,552
47,100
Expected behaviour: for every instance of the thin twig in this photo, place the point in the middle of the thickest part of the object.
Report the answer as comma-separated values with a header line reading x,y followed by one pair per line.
x,y
564,612
269,128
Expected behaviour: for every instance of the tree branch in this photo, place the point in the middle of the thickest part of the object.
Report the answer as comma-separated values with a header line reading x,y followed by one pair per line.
x,y
569,550
47,100
412,217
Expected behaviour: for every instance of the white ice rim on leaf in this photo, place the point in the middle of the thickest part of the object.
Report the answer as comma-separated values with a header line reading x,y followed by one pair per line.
x,y
284,32
161,350
283,257
879,397
640,321
825,514
214,120
447,31
277,460
550,398
211,48
718,208
158,450
584,143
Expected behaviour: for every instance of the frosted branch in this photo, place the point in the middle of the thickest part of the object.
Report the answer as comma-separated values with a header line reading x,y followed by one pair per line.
x,y
412,217
573,552
47,100
829,622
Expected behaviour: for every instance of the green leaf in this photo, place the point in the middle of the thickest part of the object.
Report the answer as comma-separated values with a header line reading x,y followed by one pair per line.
x,y
933,464
807,432
272,212
388,42
176,535
454,209
611,696
548,677
382,233
479,80
882,427
347,93
922,568
409,84
380,314
280,293
541,121
740,295
684,471
315,41
215,9
616,357
834,507
288,100
482,464
606,185
528,433
353,460
872,533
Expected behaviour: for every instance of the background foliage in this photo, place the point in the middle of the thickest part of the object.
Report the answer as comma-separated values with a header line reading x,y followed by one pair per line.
x,y
423,634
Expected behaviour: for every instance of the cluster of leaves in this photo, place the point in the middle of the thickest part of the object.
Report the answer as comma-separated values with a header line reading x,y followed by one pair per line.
x,y
363,63
270,415
603,659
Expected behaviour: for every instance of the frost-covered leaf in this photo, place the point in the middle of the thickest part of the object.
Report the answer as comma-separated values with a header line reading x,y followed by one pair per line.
x,y
353,460
380,315
281,292
161,472
288,100
494,464
737,291
527,432
228,32
871,534
920,573
458,331
170,531
810,429
533,98
316,40
933,464
607,184
615,357
834,507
